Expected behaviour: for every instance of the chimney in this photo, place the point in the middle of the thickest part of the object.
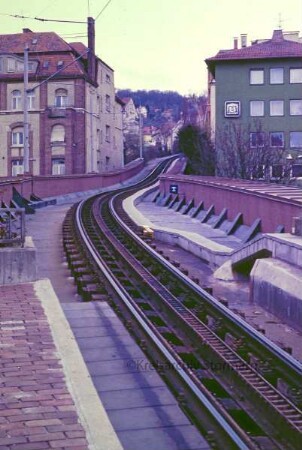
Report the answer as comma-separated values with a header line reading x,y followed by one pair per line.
x,y
277,36
91,46
235,43
243,40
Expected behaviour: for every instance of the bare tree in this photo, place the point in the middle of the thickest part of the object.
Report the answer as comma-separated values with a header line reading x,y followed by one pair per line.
x,y
244,153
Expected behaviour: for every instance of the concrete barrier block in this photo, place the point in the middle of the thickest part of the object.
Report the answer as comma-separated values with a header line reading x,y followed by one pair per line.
x,y
17,264
277,287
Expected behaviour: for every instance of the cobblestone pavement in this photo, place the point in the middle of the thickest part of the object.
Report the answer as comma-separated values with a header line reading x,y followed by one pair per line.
x,y
36,408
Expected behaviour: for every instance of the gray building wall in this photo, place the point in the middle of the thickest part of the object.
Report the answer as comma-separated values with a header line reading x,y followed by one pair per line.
x,y
233,84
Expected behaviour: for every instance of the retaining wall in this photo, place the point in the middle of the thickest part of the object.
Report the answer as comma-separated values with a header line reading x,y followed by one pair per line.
x,y
52,186
272,210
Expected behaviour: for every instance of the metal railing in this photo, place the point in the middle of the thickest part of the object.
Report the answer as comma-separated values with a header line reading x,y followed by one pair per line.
x,y
12,226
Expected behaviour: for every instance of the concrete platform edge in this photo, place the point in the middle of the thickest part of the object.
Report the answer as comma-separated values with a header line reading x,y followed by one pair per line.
x,y
99,431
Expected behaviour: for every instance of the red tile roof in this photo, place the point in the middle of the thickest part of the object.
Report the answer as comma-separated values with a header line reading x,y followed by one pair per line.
x,y
46,42
79,47
126,100
277,47
46,48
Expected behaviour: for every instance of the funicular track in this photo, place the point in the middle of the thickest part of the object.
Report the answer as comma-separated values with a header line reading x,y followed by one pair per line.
x,y
194,331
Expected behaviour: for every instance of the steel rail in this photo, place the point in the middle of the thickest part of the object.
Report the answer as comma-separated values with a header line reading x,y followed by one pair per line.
x,y
235,438
263,340
281,404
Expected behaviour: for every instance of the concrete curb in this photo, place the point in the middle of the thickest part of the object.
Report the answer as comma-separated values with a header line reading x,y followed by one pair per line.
x,y
99,431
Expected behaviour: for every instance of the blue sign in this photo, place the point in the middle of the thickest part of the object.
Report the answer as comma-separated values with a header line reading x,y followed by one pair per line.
x,y
232,109
173,188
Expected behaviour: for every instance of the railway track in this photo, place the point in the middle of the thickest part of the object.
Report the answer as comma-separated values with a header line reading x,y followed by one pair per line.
x,y
205,345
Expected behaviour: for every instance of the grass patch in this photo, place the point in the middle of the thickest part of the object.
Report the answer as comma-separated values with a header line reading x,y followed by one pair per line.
x,y
177,290
145,306
190,303
190,360
157,321
246,422
202,315
172,338
134,293
215,388
155,270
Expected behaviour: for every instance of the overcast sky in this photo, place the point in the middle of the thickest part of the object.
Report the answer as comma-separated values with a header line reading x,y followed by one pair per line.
x,y
157,44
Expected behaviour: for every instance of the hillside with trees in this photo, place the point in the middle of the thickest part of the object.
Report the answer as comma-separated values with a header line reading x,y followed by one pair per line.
x,y
156,103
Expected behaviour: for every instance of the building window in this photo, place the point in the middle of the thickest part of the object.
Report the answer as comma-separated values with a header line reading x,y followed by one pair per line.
x,y
16,99
277,139
108,132
20,66
57,133
11,65
256,76
295,107
276,75
108,79
295,75
295,139
257,108
58,166
108,103
18,137
31,99
276,107
17,167
257,139
61,98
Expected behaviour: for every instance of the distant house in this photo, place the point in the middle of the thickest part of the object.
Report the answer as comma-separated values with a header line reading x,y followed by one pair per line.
x,y
131,116
259,88
150,134
169,134
119,129
71,106
143,111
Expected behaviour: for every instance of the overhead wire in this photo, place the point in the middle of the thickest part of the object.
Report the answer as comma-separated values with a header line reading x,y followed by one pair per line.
x,y
41,19
103,9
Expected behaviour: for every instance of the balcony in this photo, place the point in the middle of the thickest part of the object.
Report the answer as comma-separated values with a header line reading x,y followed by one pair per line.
x,y
55,113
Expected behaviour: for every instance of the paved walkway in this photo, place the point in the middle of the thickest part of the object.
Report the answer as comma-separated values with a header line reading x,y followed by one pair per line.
x,y
37,410
141,408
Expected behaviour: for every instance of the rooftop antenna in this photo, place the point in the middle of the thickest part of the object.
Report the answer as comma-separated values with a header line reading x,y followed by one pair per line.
x,y
280,21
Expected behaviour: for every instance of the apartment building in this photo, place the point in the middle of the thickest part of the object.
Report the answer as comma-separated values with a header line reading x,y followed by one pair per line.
x,y
71,106
259,89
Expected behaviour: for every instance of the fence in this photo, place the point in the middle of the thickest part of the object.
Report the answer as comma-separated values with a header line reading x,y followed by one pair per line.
x,y
12,226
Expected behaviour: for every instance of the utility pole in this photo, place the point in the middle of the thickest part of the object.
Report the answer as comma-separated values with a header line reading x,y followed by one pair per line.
x,y
140,134
25,119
